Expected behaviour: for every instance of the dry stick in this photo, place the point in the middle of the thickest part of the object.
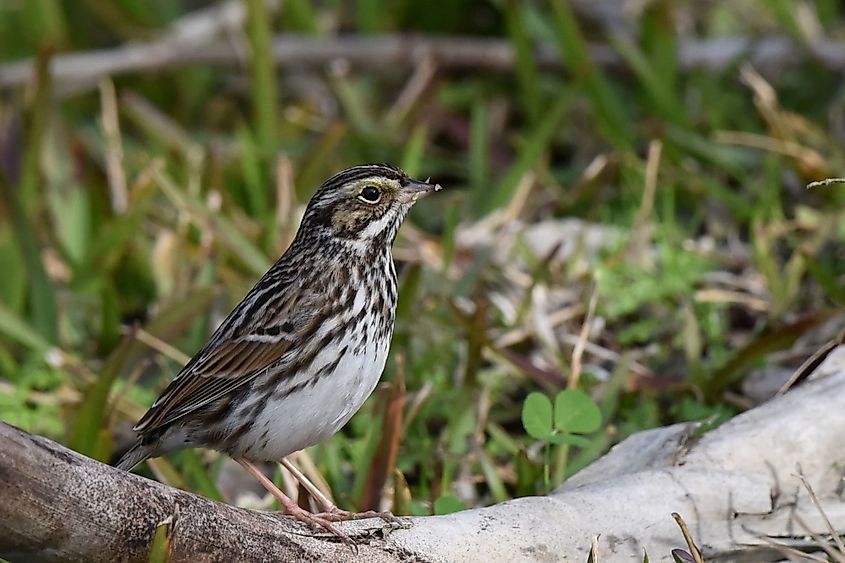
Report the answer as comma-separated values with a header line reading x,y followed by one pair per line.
x,y
285,200
694,551
81,71
413,90
114,147
811,364
826,182
594,550
818,506
607,354
161,346
766,143
788,551
820,541
716,295
578,352
312,489
304,460
655,150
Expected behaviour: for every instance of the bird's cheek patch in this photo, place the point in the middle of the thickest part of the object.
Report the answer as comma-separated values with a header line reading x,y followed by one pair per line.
x,y
347,223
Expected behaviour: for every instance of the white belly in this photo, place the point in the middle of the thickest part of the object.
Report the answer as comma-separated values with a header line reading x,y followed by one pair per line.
x,y
315,413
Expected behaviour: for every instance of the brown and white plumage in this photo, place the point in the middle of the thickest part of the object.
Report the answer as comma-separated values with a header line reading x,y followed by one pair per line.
x,y
299,355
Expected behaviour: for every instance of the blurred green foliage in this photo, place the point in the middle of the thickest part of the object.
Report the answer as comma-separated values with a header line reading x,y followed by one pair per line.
x,y
121,248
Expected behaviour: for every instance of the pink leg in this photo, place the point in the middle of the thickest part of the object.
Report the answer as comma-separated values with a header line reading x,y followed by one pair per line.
x,y
331,511
291,507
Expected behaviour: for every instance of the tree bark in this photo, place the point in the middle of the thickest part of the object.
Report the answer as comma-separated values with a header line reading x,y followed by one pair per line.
x,y
735,486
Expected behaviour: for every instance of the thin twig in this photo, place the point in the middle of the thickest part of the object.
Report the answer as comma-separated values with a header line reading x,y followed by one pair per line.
x,y
114,147
826,182
583,337
818,506
820,541
694,551
81,71
161,346
655,149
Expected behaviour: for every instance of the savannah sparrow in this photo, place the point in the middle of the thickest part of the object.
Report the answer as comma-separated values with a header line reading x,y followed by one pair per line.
x,y
299,355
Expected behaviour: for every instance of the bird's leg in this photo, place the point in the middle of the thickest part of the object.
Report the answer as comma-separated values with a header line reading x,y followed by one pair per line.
x,y
291,507
331,511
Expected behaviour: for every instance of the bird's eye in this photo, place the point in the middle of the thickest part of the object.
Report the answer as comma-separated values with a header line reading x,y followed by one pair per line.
x,y
370,194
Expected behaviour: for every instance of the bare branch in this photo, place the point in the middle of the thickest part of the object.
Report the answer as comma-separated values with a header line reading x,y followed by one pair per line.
x,y
82,71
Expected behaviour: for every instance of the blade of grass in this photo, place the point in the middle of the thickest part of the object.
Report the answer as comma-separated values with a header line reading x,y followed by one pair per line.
x,y
19,330
300,14
383,461
491,476
608,104
264,98
371,444
255,185
414,148
48,20
526,70
352,98
86,435
227,234
769,340
478,149
664,100
23,201
161,545
194,470
530,152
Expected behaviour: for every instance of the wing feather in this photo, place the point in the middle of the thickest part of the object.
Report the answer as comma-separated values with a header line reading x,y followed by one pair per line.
x,y
228,361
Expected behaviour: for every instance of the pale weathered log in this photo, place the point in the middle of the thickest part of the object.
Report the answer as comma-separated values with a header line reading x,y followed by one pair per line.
x,y
736,487
58,505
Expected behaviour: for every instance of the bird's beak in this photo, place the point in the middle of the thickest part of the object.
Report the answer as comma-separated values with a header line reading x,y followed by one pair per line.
x,y
414,189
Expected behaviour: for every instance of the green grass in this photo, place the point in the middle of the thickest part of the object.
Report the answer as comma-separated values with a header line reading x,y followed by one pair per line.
x,y
727,261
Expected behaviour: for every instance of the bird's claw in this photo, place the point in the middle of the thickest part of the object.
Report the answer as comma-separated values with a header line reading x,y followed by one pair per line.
x,y
336,514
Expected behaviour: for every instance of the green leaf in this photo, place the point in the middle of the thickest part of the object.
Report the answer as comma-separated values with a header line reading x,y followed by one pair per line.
x,y
575,411
203,482
447,504
537,415
569,440
161,544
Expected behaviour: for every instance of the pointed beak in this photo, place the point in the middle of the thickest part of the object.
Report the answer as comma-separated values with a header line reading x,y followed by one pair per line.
x,y
414,189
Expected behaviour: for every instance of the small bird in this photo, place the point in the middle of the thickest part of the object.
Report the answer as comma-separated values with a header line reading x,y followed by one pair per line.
x,y
299,355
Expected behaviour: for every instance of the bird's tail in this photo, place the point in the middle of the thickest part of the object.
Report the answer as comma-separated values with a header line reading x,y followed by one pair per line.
x,y
135,455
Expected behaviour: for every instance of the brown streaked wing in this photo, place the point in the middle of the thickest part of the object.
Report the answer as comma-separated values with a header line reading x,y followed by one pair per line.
x,y
227,363
228,366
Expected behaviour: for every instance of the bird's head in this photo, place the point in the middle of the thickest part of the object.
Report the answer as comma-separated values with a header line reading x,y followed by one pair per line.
x,y
363,203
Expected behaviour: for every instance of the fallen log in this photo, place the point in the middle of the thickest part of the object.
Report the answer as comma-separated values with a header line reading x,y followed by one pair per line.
x,y
737,487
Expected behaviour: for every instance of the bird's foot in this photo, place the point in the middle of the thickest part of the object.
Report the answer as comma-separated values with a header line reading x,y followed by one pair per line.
x,y
293,509
335,514
318,521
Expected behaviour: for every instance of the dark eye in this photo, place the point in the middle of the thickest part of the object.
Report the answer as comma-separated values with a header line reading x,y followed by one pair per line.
x,y
370,194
